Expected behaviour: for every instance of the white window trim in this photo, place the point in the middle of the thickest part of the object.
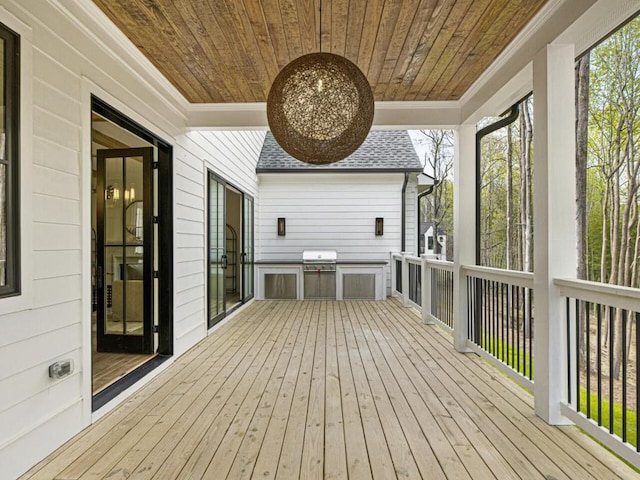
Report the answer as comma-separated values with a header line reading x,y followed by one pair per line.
x,y
24,300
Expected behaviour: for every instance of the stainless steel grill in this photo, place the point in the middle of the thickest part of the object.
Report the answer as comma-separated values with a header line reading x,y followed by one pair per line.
x,y
319,260
319,268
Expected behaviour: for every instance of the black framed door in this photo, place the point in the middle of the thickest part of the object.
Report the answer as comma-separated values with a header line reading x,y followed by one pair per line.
x,y
217,257
124,260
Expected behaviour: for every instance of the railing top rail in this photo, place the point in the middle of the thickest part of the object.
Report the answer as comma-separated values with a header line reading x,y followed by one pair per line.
x,y
412,259
512,277
602,293
441,264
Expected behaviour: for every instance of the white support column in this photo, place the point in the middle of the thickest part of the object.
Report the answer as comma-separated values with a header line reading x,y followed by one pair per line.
x,y
425,292
554,220
405,280
464,227
392,273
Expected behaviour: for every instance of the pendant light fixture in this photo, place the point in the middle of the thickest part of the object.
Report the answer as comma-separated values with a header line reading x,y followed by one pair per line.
x,y
320,107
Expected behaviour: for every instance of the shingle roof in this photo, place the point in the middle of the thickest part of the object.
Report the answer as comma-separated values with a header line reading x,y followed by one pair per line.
x,y
383,150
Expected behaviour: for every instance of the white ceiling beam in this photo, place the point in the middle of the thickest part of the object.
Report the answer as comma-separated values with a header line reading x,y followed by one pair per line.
x,y
393,115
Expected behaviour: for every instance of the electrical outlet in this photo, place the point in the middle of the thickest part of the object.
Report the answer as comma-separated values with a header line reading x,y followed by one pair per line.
x,y
61,369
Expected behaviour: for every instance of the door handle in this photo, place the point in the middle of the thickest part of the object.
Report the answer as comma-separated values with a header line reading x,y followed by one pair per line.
x,y
243,258
225,262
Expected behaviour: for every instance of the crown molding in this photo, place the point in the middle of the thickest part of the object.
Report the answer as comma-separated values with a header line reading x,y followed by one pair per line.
x,y
253,116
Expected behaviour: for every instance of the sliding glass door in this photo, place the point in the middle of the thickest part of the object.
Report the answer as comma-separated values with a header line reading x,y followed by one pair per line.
x,y
217,258
230,259
247,248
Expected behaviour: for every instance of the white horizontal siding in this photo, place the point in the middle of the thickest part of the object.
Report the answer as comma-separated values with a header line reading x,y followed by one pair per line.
x,y
329,211
233,157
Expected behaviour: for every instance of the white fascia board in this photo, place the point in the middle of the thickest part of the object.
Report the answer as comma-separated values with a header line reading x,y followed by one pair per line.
x,y
513,91
416,115
425,180
597,23
551,21
227,116
388,115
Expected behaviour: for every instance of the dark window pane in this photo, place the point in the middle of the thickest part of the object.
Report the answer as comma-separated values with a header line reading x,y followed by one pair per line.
x,y
9,163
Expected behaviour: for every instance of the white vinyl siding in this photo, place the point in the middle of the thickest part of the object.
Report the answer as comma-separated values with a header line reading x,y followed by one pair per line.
x,y
231,155
331,211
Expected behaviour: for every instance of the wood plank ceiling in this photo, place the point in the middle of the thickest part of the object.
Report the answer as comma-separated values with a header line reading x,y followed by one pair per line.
x,y
228,51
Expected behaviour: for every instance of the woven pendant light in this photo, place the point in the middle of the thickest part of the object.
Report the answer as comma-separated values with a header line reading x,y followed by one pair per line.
x,y
320,108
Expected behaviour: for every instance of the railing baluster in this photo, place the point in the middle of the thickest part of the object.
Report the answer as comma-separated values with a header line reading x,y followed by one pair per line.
x,y
530,322
611,361
524,343
470,331
588,352
578,333
599,355
637,381
624,375
568,321
502,329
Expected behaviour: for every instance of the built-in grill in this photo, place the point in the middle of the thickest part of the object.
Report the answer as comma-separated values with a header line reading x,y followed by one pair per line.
x,y
319,268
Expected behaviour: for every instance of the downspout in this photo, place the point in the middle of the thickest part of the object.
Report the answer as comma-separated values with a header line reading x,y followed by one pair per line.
x,y
404,210
503,122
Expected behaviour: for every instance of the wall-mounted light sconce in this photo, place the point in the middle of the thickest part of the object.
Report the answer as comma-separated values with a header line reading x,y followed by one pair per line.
x,y
379,226
112,195
282,227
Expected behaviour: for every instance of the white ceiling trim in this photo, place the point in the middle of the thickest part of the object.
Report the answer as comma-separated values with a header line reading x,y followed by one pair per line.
x,y
553,19
394,115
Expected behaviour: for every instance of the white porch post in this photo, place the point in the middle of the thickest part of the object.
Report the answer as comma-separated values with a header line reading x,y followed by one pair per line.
x,y
405,280
554,220
464,227
425,292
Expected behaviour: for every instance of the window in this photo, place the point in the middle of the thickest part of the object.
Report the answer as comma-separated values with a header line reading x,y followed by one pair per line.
x,y
9,163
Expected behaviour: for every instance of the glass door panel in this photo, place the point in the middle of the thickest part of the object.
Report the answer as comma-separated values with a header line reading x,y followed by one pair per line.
x,y
124,247
217,256
247,249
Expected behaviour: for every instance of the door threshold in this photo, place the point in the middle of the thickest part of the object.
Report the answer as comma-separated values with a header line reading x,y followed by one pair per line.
x,y
108,393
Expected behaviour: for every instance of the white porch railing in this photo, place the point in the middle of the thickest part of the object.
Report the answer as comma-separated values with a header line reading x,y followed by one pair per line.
x,y
603,362
499,326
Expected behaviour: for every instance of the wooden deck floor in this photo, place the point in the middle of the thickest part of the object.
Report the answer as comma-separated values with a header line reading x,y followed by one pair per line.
x,y
301,390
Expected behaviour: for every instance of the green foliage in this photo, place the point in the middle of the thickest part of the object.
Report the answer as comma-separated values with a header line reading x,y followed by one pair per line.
x,y
614,154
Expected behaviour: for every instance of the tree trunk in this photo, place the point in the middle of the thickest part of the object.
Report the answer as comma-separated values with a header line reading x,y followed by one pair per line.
x,y
582,139
526,196
509,199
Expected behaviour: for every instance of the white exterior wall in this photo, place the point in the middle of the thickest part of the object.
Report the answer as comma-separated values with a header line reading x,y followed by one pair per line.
x,y
333,211
232,156
62,64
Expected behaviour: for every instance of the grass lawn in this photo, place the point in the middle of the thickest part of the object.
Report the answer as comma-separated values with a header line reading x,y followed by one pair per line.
x,y
617,415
